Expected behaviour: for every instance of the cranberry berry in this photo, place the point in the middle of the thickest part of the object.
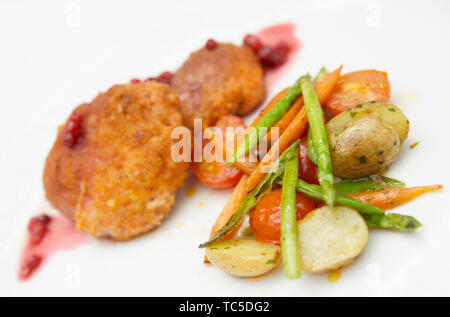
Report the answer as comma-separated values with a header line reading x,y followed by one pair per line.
x,y
73,129
31,264
283,49
38,228
210,44
253,42
165,77
270,57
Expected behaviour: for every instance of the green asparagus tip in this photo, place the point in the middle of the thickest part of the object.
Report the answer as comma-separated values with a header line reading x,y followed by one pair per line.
x,y
393,221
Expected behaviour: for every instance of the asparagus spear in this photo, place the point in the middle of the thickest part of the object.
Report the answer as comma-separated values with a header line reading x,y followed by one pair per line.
x,y
264,186
374,216
271,118
322,72
392,221
386,181
266,122
311,151
319,139
289,232
365,185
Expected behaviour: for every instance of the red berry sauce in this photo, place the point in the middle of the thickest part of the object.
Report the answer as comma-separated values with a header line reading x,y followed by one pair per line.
x,y
47,235
31,264
165,77
283,46
210,44
38,227
73,130
269,56
254,42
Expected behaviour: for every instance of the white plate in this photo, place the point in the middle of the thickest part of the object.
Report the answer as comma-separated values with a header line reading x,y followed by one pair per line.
x,y
58,54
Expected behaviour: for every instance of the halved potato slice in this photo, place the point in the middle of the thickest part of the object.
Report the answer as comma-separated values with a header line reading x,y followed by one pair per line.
x,y
331,237
244,258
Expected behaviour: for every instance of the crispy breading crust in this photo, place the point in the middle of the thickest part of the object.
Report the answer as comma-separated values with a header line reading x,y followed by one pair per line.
x,y
226,80
119,181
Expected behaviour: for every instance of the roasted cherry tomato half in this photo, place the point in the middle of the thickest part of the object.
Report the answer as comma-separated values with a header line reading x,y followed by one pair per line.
x,y
307,170
355,88
265,217
217,174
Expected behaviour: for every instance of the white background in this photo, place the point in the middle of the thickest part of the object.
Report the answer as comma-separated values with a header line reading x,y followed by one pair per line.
x,y
55,55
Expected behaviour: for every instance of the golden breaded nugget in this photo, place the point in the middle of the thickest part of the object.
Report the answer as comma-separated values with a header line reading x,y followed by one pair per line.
x,y
225,80
119,180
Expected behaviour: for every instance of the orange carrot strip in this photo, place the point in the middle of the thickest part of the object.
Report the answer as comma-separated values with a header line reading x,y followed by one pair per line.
x,y
232,205
247,166
283,123
293,131
391,197
269,107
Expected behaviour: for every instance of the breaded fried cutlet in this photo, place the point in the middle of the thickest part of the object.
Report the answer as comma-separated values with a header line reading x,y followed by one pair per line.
x,y
119,179
214,82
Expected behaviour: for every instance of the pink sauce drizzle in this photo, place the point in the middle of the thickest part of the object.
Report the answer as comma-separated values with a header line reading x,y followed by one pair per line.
x,y
273,35
61,235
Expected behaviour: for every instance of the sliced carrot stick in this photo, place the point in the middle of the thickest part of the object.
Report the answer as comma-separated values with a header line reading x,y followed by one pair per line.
x,y
232,205
391,197
293,131
269,107
284,122
247,166
230,208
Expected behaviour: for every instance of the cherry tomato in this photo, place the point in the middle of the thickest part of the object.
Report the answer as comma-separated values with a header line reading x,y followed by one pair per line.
x,y
358,87
217,174
265,218
307,170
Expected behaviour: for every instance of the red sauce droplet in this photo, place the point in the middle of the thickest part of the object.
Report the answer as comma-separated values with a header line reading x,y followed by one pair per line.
x,y
135,81
165,77
32,262
253,42
271,57
60,234
73,130
38,227
210,44
282,39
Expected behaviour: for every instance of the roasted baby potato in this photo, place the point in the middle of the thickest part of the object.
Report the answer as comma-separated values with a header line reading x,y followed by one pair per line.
x,y
366,139
331,237
386,112
244,258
